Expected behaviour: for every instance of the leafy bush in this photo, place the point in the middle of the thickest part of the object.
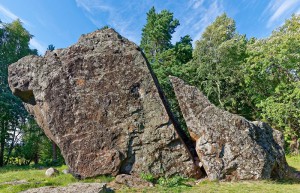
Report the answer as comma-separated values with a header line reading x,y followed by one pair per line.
x,y
171,182
148,177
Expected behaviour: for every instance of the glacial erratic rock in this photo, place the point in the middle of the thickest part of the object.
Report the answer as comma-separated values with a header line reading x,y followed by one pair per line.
x,y
99,103
228,145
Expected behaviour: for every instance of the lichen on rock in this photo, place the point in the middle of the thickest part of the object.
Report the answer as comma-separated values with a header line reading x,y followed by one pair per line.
x,y
98,102
229,146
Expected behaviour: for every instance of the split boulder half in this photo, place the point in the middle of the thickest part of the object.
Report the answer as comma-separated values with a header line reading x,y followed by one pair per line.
x,y
98,101
229,146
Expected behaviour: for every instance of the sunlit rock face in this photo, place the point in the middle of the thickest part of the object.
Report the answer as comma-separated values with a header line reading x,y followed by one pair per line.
x,y
98,102
229,146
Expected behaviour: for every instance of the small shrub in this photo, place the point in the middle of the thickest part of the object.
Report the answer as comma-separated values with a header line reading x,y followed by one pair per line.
x,y
171,182
104,27
148,177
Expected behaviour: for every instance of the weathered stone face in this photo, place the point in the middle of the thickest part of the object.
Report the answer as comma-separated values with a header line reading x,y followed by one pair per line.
x,y
98,102
228,145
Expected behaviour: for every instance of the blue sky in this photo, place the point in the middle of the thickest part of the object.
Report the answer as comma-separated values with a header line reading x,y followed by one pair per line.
x,y
61,22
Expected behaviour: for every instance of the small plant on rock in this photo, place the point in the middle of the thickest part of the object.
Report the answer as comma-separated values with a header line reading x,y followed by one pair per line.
x,y
171,182
148,177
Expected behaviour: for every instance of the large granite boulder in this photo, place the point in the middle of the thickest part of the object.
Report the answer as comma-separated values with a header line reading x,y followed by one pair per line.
x,y
228,145
98,101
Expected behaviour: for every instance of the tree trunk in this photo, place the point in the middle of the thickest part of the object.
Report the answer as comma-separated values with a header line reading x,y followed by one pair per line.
x,y
2,144
1,154
54,152
36,159
12,144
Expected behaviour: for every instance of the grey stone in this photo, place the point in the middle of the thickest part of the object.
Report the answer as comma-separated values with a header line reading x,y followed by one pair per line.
x,y
15,182
98,102
51,172
73,188
229,146
65,171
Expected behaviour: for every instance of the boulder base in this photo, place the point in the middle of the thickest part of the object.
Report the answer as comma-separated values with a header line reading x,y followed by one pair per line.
x,y
129,181
228,145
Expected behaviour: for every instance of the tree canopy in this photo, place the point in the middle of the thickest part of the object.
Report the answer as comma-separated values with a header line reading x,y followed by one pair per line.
x,y
255,78
20,137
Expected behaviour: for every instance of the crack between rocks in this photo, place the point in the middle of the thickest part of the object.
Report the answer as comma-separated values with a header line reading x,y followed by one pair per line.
x,y
188,143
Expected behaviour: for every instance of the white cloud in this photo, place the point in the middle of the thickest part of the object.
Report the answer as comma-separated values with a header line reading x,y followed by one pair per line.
x,y
125,17
83,5
197,19
213,11
92,6
279,8
116,15
10,16
37,45
195,4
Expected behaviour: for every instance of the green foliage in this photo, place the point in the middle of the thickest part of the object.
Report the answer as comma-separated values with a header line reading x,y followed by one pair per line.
x,y
272,77
217,63
184,50
148,177
46,153
51,47
166,59
157,33
255,78
20,137
35,177
104,27
171,182
14,44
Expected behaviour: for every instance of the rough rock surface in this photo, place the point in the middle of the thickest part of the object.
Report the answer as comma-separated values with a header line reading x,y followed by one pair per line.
x,y
73,188
228,145
99,103
129,181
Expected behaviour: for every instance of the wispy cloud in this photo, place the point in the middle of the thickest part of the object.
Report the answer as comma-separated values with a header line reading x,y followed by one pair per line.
x,y
116,15
9,16
215,9
128,17
195,4
276,9
198,15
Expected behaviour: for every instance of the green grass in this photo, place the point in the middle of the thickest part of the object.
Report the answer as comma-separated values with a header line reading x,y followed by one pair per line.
x,y
227,187
36,178
294,162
